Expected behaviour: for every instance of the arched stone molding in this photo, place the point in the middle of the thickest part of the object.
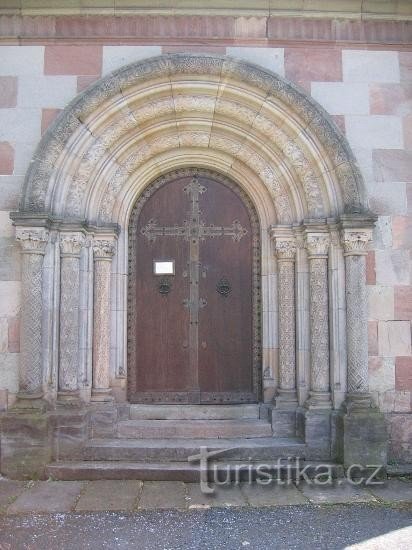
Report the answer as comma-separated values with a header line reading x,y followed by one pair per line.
x,y
221,114
200,103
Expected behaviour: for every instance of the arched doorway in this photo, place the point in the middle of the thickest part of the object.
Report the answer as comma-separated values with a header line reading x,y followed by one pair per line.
x,y
251,126
194,292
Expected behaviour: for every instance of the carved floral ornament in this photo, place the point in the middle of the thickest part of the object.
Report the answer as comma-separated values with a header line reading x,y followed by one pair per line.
x,y
33,240
355,242
103,249
317,244
107,140
285,248
71,243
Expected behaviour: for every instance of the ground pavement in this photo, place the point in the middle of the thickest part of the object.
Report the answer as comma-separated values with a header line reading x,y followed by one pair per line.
x,y
165,514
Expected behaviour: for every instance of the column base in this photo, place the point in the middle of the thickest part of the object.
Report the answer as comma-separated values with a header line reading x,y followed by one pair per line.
x,y
365,439
358,401
101,395
69,398
316,427
31,402
318,400
26,445
286,399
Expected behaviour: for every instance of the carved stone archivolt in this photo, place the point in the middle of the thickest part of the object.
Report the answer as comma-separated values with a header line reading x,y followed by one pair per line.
x,y
115,130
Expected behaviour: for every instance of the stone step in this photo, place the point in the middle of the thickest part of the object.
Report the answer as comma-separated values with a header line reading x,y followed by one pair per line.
x,y
178,471
193,412
205,429
163,450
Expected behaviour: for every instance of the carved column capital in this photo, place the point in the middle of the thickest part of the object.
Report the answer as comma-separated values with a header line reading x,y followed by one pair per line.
x,y
71,243
355,241
317,244
32,240
285,248
103,249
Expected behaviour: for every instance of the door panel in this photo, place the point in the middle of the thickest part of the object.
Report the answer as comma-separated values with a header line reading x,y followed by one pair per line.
x,y
191,333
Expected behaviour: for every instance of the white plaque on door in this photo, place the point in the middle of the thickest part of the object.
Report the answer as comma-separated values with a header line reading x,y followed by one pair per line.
x,y
164,267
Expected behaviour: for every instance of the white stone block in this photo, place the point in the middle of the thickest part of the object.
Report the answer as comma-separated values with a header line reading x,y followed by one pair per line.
x,y
10,189
381,374
53,92
21,60
382,233
341,98
115,57
23,155
9,298
365,161
394,338
381,303
387,198
269,58
9,372
370,66
20,125
377,131
6,226
392,267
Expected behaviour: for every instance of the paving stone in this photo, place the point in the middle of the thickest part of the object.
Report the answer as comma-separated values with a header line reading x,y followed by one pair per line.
x,y
223,496
339,492
162,494
109,495
272,495
9,490
395,490
48,496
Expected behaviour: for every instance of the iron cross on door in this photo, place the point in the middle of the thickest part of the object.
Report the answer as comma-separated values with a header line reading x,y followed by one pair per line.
x,y
194,230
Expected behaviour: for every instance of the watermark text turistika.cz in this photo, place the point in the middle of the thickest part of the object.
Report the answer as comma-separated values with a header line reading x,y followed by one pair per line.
x,y
284,471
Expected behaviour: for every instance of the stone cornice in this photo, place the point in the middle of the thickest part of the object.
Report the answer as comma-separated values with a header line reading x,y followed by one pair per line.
x,y
31,219
219,27
356,9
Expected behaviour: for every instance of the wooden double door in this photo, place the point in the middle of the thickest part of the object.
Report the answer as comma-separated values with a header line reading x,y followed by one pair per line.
x,y
192,293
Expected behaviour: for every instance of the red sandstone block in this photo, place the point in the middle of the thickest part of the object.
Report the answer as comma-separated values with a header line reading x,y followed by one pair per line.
x,y
370,268
392,165
14,334
6,159
84,81
402,231
47,117
8,92
405,66
80,60
403,373
193,48
403,303
313,64
390,99
372,338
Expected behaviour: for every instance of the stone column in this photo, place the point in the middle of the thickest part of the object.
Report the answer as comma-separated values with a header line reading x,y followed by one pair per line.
x,y
70,248
33,246
103,251
355,243
285,247
317,244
